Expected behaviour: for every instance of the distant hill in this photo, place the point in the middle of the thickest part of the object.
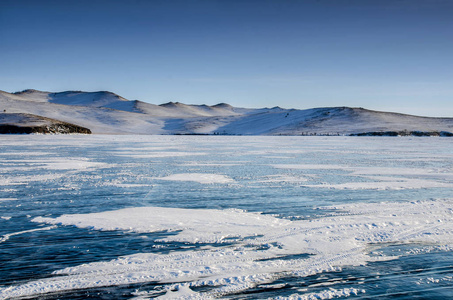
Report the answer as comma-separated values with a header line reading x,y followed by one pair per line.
x,y
107,113
17,123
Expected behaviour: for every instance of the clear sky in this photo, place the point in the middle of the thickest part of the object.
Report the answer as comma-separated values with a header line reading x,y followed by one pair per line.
x,y
387,55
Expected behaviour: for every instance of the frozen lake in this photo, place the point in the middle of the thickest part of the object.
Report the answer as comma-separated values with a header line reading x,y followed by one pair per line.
x,y
246,217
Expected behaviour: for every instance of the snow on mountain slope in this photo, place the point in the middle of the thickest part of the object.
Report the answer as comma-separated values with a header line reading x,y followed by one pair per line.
x,y
180,110
30,94
107,99
90,99
107,113
325,121
24,119
98,119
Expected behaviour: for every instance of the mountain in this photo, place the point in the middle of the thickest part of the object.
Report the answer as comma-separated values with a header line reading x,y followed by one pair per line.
x,y
104,112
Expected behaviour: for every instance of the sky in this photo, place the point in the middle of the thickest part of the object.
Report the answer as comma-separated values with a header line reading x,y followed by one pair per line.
x,y
384,55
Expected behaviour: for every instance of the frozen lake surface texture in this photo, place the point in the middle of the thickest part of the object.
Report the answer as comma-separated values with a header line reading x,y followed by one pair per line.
x,y
202,217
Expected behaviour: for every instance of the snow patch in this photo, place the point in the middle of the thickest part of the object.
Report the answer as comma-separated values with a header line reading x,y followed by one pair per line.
x,y
254,245
201,225
379,178
283,178
7,199
309,167
386,183
198,177
327,294
8,235
159,154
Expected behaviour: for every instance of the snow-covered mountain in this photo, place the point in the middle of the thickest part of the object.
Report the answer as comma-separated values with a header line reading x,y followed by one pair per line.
x,y
107,113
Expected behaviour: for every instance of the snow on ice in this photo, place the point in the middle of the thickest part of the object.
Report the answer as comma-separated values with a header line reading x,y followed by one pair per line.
x,y
255,245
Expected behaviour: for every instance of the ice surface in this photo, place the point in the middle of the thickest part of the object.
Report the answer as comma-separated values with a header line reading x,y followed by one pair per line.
x,y
179,216
51,169
56,164
158,154
259,244
310,167
380,178
283,179
386,183
7,236
7,199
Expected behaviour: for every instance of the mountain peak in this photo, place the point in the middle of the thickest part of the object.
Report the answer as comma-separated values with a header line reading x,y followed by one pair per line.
x,y
172,104
28,91
222,105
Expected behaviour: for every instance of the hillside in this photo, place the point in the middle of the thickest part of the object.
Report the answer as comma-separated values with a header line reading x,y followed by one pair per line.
x,y
107,113
17,123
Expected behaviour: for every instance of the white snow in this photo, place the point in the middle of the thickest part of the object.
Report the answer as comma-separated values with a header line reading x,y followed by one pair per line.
x,y
197,225
282,178
203,164
9,176
17,180
327,294
203,178
8,235
310,166
385,183
379,178
56,163
259,240
159,154
7,199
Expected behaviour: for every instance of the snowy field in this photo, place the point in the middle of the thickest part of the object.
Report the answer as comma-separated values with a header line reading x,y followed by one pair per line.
x,y
246,217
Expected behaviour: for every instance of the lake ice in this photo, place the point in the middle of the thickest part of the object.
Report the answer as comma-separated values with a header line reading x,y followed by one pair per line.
x,y
235,217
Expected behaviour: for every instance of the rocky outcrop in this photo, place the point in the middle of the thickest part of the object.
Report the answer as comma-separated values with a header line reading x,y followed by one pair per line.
x,y
27,123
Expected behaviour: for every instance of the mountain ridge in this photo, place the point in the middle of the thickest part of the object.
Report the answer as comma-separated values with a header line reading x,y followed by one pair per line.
x,y
104,112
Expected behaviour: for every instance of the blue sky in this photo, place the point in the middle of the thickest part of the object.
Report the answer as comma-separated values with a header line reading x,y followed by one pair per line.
x,y
386,55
